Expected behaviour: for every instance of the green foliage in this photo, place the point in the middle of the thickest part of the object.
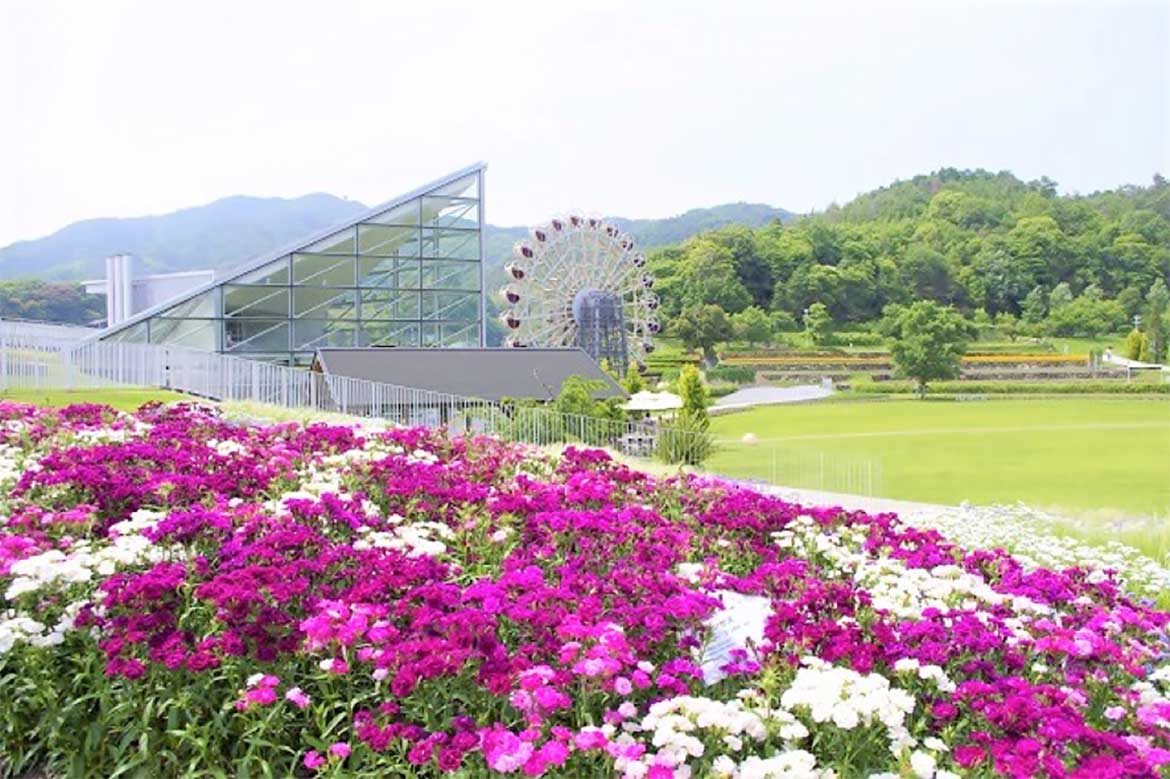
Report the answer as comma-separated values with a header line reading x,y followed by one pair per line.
x,y
44,301
693,393
927,341
1088,315
1133,345
752,325
702,327
577,396
735,374
1157,320
972,239
1146,353
687,438
784,322
1015,387
818,323
633,381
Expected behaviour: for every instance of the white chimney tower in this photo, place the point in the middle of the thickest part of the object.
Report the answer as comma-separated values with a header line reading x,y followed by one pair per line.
x,y
119,289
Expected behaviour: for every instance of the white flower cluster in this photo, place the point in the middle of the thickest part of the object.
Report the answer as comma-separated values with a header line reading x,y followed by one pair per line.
x,y
16,628
848,699
1035,539
84,559
415,539
789,764
902,591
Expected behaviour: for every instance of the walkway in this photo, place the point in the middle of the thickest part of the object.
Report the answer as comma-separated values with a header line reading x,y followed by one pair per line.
x,y
766,396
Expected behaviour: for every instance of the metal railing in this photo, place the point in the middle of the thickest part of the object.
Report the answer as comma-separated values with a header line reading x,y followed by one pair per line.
x,y
31,359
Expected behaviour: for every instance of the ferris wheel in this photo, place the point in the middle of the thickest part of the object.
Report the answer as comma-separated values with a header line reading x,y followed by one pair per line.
x,y
579,281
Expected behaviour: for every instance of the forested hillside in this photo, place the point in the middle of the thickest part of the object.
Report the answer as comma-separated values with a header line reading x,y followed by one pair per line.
x,y
984,242
50,301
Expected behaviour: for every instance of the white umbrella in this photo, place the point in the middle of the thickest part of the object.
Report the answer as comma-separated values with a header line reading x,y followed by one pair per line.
x,y
653,401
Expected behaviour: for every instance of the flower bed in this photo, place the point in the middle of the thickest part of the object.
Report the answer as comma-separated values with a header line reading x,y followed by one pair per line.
x,y
180,596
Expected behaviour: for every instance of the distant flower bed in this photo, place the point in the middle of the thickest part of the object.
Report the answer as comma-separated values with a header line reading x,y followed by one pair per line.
x,y
831,361
181,596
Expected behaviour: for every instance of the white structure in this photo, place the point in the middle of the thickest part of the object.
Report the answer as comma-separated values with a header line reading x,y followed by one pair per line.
x,y
127,296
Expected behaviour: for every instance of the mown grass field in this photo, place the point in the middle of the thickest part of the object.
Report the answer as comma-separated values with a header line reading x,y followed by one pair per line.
x,y
1108,457
122,399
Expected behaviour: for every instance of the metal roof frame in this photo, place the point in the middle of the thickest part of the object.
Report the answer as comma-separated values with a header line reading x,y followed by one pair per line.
x,y
261,260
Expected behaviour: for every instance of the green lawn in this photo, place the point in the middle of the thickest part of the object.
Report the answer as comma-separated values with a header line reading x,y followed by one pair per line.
x,y
122,399
1104,456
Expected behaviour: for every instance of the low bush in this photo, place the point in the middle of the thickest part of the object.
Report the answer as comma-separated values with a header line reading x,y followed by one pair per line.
x,y
1098,387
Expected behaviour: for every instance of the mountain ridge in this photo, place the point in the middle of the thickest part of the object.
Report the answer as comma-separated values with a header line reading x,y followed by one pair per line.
x,y
226,232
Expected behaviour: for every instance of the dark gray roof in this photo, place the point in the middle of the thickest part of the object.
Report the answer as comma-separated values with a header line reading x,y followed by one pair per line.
x,y
487,374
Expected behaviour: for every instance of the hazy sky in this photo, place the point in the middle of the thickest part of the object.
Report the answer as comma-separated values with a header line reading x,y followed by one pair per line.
x,y
634,108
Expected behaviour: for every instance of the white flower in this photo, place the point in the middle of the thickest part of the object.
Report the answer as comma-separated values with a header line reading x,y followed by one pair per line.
x,y
923,764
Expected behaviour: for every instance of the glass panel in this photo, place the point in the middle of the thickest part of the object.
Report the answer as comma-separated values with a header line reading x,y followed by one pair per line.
x,y
388,334
302,359
451,244
450,212
460,335
323,271
324,303
275,273
405,214
255,335
468,186
340,242
389,304
456,306
388,241
199,306
255,302
431,337
316,333
440,274
390,272
134,334
192,333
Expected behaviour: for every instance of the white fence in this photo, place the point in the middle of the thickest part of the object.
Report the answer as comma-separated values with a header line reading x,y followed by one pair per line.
x,y
32,360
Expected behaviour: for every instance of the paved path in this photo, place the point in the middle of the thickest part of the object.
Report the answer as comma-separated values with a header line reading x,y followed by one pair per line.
x,y
764,396
904,508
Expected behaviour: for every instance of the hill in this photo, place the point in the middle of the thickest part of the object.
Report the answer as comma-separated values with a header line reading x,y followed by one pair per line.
x,y
224,233
217,235
986,242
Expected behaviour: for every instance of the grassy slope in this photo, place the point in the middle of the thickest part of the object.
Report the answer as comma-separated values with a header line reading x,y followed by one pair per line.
x,y
122,399
1073,454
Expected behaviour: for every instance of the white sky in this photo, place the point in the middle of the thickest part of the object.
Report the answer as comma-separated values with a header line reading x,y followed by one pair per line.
x,y
122,108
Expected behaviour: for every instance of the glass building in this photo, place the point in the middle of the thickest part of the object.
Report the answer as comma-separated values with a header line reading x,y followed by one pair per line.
x,y
406,273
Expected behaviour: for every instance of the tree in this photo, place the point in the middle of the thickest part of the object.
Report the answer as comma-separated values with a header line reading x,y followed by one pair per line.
x,y
688,439
818,324
701,327
1035,306
752,325
633,382
1157,320
927,342
1008,325
1133,344
693,392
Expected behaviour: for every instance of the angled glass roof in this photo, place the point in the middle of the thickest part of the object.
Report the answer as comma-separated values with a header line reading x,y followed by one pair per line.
x,y
408,272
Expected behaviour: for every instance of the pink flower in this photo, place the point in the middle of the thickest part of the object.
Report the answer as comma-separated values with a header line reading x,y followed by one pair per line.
x,y
1114,713
622,686
297,697
340,749
504,751
313,760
